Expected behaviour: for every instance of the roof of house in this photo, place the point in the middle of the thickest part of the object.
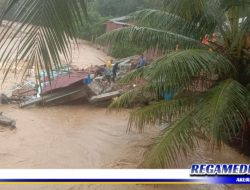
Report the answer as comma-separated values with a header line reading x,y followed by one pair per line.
x,y
64,81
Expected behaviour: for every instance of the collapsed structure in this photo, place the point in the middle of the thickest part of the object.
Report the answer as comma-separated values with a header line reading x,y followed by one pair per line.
x,y
69,84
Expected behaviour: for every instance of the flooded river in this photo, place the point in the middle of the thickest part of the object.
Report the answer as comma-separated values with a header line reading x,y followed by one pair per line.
x,y
68,137
84,137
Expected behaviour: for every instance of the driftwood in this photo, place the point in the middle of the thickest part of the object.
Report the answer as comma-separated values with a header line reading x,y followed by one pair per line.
x,y
7,122
104,97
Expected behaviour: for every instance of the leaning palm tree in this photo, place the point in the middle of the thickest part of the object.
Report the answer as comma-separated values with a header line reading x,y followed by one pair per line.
x,y
199,90
39,32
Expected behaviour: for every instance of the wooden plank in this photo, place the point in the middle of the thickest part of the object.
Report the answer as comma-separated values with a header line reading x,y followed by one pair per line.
x,y
30,102
66,99
104,97
62,96
66,95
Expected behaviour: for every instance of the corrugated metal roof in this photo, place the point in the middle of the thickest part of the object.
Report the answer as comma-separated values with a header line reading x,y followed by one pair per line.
x,y
64,81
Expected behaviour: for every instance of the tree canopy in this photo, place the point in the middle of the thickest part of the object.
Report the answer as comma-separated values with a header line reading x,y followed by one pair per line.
x,y
205,76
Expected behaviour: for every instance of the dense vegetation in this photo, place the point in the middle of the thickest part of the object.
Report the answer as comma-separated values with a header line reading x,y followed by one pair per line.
x,y
208,83
100,11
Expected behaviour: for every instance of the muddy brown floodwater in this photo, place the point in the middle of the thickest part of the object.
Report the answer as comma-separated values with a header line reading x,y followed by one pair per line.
x,y
84,137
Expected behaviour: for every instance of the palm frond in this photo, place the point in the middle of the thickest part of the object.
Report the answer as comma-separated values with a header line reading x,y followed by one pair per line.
x,y
166,111
221,113
157,19
164,21
244,28
150,91
178,68
204,15
214,13
41,31
185,8
174,73
148,38
174,143
195,28
139,73
135,95
227,4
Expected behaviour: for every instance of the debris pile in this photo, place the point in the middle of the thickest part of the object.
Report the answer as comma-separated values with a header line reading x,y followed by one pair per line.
x,y
23,92
95,84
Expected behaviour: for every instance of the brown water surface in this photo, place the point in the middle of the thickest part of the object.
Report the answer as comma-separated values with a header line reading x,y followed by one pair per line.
x,y
83,136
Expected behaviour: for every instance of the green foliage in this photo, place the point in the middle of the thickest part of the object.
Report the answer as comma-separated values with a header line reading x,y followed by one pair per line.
x,y
136,94
162,111
147,38
118,51
218,110
94,26
175,72
2,5
219,116
156,4
116,8
221,111
161,20
174,143
100,11
178,68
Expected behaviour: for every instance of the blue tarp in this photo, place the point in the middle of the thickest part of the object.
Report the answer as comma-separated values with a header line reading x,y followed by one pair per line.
x,y
168,95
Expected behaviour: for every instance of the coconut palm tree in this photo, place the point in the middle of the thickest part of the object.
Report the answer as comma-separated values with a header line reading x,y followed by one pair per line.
x,y
199,89
40,33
